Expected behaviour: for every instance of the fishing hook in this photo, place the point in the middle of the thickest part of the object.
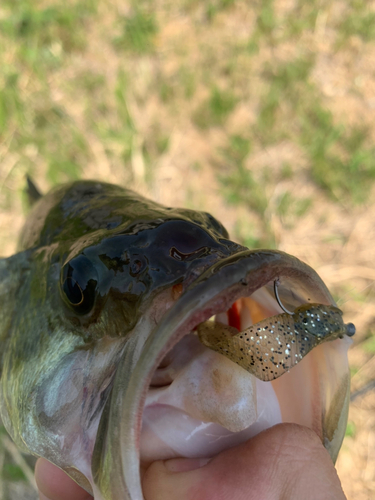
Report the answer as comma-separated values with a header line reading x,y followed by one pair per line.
x,y
276,283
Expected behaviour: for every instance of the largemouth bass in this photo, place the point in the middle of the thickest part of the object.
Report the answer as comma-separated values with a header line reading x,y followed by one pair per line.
x,y
123,328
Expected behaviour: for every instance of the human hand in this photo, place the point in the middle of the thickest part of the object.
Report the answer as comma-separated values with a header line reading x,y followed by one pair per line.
x,y
54,484
285,462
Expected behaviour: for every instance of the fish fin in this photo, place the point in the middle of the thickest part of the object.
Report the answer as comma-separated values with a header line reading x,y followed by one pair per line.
x,y
33,193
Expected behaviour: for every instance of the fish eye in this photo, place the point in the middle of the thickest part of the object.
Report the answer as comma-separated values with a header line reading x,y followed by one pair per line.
x,y
79,281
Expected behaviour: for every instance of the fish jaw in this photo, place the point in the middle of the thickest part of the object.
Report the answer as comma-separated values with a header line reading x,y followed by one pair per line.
x,y
117,458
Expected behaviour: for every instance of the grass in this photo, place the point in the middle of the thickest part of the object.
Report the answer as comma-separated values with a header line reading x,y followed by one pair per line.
x,y
303,18
239,186
11,104
41,38
46,34
350,429
12,472
266,20
358,21
216,109
138,32
287,81
250,236
341,162
187,82
213,7
289,205
90,82
369,345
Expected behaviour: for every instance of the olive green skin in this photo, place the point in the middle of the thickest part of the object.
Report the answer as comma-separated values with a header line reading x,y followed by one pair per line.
x,y
40,331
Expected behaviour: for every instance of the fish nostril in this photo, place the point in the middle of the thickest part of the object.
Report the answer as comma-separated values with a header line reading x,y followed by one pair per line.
x,y
177,255
137,265
185,240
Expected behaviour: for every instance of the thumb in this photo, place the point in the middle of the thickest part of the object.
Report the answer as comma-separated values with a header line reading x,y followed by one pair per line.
x,y
285,462
54,484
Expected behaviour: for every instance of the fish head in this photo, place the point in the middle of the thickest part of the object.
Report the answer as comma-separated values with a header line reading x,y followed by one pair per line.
x,y
102,369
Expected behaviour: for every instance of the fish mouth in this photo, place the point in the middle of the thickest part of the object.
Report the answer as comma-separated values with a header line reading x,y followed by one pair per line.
x,y
174,382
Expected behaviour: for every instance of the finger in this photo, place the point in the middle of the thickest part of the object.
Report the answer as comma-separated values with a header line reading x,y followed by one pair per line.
x,y
54,484
286,462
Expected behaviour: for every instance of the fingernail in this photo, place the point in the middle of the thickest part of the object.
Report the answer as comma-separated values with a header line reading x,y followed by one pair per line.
x,y
185,464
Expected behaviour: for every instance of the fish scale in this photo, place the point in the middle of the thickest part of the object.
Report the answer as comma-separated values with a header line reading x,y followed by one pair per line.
x,y
273,346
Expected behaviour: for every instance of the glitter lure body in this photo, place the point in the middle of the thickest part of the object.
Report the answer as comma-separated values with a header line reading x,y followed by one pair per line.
x,y
273,346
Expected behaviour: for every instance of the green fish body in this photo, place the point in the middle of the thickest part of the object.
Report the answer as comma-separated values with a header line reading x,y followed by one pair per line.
x,y
101,318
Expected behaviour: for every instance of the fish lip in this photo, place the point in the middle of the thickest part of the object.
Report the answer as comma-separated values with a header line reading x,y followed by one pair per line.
x,y
213,291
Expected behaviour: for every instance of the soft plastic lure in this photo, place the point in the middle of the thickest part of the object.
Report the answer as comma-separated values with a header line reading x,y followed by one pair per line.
x,y
273,346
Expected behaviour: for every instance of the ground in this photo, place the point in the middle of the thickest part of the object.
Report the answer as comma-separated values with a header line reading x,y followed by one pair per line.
x,y
259,112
